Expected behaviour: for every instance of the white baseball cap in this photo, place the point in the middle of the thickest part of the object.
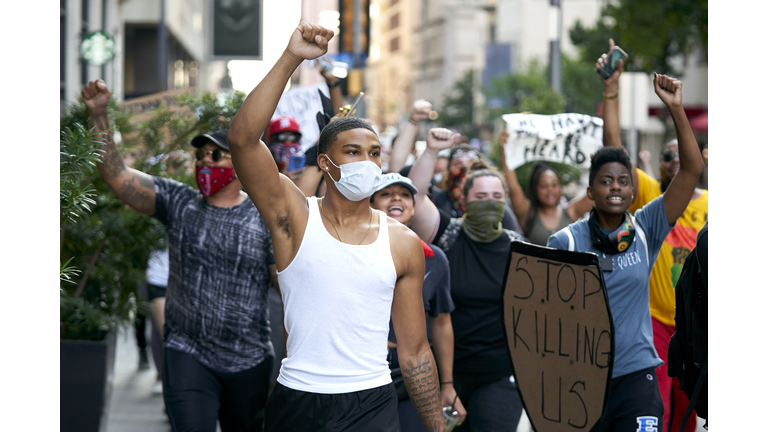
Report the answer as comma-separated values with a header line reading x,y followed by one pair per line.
x,y
392,178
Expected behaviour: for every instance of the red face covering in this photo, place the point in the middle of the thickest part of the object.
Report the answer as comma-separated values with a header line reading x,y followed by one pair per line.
x,y
211,179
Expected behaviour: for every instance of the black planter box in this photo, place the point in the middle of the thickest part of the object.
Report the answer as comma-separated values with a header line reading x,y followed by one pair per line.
x,y
87,369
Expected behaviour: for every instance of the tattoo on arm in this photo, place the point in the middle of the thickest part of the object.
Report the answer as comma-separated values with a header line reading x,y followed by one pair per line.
x,y
112,161
420,377
137,191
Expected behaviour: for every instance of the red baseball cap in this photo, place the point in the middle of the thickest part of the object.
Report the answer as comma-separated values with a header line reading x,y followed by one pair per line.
x,y
282,124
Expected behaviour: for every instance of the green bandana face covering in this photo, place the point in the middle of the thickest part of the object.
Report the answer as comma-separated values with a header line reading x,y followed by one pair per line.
x,y
482,220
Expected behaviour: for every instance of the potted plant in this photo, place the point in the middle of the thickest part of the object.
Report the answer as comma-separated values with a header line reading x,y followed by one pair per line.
x,y
104,245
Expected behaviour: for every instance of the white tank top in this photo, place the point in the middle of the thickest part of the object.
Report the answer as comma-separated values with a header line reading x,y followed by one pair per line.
x,y
337,300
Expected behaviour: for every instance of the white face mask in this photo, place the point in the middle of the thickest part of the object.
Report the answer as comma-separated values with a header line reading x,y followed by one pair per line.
x,y
358,181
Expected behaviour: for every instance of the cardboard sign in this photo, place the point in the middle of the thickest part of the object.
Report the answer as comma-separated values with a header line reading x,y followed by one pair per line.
x,y
565,138
142,107
303,104
560,335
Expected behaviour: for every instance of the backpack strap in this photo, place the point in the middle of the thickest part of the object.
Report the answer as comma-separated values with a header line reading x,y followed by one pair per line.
x,y
571,243
694,395
450,234
641,234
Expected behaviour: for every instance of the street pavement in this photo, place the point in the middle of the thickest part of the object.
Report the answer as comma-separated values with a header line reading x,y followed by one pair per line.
x,y
133,407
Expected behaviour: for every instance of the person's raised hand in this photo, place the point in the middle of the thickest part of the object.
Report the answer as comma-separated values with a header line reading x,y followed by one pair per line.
x,y
309,41
669,90
96,96
441,139
612,83
644,156
420,111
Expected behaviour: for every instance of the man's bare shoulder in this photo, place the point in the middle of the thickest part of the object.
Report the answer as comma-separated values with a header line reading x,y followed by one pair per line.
x,y
402,234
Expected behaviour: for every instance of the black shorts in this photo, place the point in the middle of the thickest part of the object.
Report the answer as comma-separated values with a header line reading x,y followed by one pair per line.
x,y
154,291
373,410
634,404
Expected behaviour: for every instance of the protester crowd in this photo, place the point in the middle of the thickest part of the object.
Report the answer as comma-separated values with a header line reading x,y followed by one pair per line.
x,y
328,295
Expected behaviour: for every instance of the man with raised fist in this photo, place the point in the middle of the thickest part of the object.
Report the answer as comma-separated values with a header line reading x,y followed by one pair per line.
x,y
342,267
218,353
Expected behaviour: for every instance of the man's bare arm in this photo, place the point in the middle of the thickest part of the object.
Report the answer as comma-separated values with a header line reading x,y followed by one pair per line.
x,y
133,187
416,361
275,195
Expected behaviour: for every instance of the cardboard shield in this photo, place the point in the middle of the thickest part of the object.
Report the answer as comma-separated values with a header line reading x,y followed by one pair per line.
x,y
560,335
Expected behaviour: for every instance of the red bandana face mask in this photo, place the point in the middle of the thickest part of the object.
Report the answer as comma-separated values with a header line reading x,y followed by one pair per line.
x,y
211,179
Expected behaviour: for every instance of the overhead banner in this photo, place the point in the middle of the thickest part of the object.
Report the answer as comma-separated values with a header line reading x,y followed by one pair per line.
x,y
560,336
303,104
565,138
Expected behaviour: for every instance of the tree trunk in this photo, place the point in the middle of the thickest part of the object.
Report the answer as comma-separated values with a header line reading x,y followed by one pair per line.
x,y
88,269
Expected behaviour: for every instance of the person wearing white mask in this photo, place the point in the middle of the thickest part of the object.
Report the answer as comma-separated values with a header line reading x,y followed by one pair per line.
x,y
342,267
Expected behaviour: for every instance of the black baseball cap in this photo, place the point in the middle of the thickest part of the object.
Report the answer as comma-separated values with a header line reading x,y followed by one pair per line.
x,y
219,138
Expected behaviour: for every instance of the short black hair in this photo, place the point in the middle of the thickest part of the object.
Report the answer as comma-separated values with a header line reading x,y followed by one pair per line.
x,y
607,155
329,133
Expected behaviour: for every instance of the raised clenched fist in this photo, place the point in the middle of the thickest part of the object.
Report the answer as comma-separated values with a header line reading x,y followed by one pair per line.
x,y
420,110
669,90
441,138
309,41
96,96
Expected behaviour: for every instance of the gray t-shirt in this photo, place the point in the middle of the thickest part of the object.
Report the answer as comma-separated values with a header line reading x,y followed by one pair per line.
x,y
627,285
216,306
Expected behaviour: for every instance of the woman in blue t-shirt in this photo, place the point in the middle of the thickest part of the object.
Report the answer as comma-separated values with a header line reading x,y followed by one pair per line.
x,y
627,248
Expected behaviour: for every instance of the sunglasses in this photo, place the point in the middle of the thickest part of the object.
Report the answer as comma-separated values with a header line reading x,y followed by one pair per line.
x,y
216,155
669,156
461,153
283,137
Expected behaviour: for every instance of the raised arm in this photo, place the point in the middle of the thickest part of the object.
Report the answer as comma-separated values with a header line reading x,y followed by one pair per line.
x,y
426,216
520,203
404,143
578,206
416,361
611,126
680,190
135,188
275,195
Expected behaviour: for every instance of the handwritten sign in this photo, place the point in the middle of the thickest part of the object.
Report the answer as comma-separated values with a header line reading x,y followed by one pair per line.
x,y
142,107
565,138
560,335
303,104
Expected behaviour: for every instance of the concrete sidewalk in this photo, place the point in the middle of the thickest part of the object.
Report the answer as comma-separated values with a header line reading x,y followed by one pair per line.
x,y
133,407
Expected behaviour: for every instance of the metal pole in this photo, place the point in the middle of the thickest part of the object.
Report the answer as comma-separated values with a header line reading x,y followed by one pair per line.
x,y
554,49
356,30
162,55
632,126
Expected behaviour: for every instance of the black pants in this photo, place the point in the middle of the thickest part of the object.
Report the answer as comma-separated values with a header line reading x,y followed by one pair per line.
x,y
493,406
634,404
196,396
373,410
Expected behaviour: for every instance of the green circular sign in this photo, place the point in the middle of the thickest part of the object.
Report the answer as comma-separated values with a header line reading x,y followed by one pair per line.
x,y
97,48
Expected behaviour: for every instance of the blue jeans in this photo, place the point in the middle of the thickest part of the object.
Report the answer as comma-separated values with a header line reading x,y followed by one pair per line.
x,y
493,406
